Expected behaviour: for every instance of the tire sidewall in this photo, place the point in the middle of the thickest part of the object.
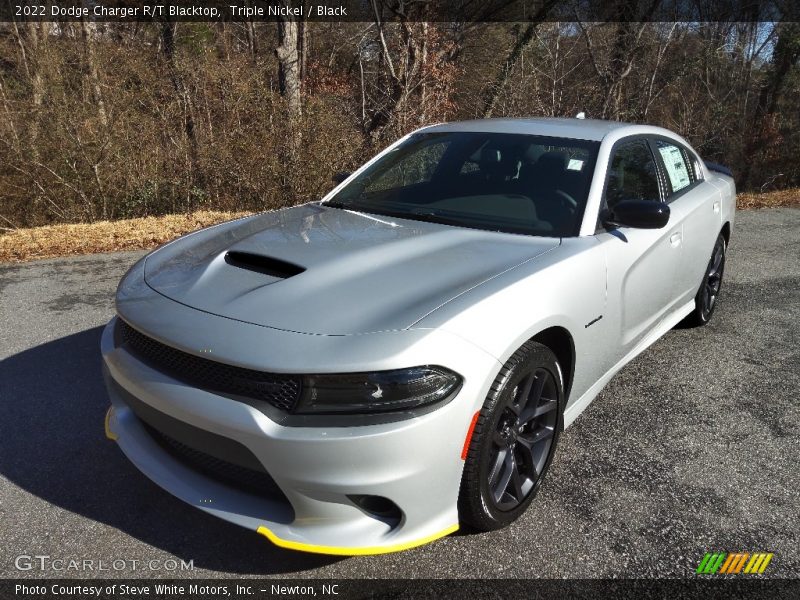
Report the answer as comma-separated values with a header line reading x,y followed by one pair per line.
x,y
538,356
701,315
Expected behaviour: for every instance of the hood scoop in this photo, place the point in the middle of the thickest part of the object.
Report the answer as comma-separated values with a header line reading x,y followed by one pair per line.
x,y
262,264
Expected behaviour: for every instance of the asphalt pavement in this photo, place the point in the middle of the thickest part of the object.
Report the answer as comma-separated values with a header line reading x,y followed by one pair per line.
x,y
692,448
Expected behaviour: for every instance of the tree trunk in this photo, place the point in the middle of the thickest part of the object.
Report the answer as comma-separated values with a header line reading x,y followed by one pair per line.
x,y
252,48
88,30
195,177
289,65
28,42
305,36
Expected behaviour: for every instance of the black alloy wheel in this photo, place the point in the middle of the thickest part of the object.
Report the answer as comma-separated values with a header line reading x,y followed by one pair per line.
x,y
708,294
514,439
522,439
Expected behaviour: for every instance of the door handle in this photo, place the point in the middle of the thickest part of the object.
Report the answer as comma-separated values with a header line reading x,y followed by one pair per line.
x,y
675,238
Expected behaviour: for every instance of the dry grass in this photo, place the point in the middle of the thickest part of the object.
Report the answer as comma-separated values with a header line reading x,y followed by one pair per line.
x,y
138,234
104,236
769,199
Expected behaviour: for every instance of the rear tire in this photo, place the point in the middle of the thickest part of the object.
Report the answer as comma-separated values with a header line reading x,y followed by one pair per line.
x,y
706,299
514,439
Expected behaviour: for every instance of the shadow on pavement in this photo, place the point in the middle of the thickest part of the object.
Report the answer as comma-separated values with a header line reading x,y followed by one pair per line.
x,y
53,446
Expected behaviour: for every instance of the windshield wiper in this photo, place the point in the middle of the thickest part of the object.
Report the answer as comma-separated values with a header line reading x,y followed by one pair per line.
x,y
365,208
336,204
428,216
432,216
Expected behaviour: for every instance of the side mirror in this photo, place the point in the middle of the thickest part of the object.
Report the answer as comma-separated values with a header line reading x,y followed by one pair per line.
x,y
340,177
641,214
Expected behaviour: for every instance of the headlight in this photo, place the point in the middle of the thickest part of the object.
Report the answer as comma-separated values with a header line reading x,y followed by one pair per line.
x,y
380,391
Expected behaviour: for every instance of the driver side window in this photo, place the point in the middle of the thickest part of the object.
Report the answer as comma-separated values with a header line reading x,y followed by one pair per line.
x,y
632,174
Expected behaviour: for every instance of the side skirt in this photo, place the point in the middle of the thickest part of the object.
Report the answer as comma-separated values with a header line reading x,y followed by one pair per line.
x,y
667,323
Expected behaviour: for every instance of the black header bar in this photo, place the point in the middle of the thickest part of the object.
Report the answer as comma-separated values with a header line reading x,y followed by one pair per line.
x,y
416,10
707,588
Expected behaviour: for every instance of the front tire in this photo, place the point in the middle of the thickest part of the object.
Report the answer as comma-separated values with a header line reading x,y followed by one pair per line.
x,y
514,439
706,299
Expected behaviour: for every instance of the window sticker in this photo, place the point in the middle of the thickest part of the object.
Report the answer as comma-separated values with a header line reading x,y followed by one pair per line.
x,y
676,167
575,164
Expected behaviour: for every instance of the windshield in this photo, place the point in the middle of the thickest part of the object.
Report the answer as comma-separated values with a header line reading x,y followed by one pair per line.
x,y
503,182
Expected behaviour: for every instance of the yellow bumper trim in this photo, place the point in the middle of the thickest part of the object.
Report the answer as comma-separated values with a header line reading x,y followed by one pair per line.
x,y
110,434
345,551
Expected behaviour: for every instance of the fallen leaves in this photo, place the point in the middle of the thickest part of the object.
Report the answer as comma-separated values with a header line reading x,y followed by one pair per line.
x,y
104,236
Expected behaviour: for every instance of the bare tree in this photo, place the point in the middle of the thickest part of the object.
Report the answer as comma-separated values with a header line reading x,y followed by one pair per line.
x,y
784,56
197,115
521,43
30,36
89,31
622,54
289,64
412,66
195,178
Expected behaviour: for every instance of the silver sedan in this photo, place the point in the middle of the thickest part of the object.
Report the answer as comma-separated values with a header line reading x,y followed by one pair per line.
x,y
367,373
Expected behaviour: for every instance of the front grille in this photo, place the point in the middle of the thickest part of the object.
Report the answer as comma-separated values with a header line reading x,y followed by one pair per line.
x,y
222,458
281,391
250,480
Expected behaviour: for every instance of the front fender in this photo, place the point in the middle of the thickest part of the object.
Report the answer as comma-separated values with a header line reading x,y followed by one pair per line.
x,y
563,288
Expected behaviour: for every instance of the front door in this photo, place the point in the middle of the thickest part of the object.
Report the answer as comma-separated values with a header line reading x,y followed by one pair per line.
x,y
642,264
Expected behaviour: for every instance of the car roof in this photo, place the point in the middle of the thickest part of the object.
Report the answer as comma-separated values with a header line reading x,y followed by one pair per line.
x,y
580,129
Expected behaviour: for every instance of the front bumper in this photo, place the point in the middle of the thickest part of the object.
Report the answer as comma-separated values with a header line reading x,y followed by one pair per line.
x,y
414,463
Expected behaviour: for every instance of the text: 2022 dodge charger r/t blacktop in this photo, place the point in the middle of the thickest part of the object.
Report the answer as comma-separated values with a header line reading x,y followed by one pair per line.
x,y
362,374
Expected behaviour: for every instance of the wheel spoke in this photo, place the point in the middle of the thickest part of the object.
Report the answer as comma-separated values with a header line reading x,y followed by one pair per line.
x,y
496,467
521,401
536,393
528,446
505,478
516,478
533,438
537,447
535,400
717,260
544,407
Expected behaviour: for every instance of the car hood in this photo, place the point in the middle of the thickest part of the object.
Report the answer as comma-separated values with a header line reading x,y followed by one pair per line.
x,y
347,272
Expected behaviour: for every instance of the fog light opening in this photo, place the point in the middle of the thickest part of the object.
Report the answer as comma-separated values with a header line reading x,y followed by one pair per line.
x,y
379,508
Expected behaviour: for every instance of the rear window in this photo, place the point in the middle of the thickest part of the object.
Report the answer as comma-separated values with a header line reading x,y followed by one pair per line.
x,y
677,164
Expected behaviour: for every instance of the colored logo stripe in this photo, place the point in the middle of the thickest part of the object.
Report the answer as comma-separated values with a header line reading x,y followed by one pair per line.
x,y
733,563
758,564
727,564
711,562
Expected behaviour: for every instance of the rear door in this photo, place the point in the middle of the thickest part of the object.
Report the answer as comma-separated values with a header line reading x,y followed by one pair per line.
x,y
693,202
642,263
